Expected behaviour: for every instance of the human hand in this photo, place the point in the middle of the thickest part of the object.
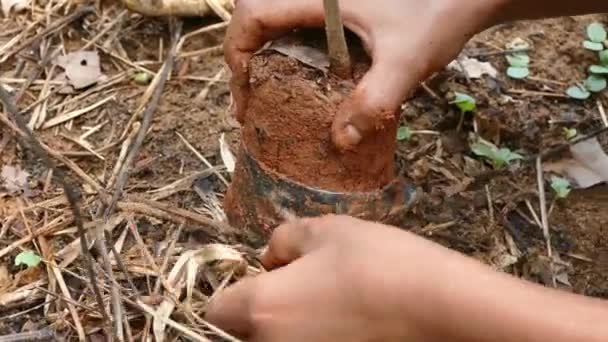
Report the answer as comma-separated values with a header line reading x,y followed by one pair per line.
x,y
338,279
407,39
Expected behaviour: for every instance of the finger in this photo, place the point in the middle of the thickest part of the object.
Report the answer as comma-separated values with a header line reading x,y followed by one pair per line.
x,y
378,96
255,22
230,310
291,241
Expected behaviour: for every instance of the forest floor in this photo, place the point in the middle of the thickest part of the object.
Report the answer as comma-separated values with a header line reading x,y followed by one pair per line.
x,y
169,211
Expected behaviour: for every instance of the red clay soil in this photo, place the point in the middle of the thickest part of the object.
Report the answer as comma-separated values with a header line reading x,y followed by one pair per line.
x,y
288,127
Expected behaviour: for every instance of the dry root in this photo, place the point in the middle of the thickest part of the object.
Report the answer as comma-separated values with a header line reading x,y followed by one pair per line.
x,y
181,8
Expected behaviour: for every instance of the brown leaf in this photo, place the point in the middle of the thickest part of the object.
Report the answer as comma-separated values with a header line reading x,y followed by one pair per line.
x,y
82,68
306,54
14,179
588,166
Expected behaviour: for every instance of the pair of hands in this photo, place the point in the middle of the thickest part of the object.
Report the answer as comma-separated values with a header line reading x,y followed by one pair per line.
x,y
332,278
407,40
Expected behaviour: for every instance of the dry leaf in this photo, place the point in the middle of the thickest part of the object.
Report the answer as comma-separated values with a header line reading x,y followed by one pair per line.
x,y
226,154
184,274
587,168
82,68
13,6
15,179
473,67
306,54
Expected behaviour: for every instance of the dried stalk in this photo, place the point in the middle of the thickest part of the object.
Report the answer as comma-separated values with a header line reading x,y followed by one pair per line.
x,y
56,26
123,176
71,192
339,57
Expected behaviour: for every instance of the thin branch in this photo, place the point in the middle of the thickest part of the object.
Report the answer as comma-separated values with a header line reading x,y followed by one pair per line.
x,y
123,176
339,57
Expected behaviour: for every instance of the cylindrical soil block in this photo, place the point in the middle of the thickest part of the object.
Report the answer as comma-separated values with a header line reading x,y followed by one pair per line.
x,y
288,160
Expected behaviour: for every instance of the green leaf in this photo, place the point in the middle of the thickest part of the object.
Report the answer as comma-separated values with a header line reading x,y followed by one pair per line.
x,y
518,60
464,102
578,93
596,32
593,46
604,57
28,258
506,156
484,150
142,77
561,186
518,73
598,69
595,83
404,133
570,133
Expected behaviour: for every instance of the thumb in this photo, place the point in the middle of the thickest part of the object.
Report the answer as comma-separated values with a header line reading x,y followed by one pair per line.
x,y
230,310
377,98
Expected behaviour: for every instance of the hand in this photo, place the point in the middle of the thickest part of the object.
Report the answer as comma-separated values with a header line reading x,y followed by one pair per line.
x,y
407,39
346,280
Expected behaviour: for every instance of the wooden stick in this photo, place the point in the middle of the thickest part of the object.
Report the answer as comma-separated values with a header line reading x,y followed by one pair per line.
x,y
339,57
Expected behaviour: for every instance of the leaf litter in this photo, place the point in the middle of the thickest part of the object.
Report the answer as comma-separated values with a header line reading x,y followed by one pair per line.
x,y
587,167
15,179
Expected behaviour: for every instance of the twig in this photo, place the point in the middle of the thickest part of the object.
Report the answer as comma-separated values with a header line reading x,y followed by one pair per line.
x,y
339,57
543,214
56,26
70,190
123,176
203,159
73,115
600,107
115,291
45,334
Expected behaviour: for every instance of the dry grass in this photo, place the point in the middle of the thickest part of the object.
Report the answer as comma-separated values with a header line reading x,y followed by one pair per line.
x,y
144,290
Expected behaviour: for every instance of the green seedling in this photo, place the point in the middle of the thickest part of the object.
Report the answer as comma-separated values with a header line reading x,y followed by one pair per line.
x,y
142,77
570,133
518,65
561,187
596,35
595,83
404,133
28,258
598,69
495,156
464,102
578,92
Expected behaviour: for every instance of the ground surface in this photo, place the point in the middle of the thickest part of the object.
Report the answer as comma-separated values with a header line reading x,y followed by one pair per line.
x,y
491,222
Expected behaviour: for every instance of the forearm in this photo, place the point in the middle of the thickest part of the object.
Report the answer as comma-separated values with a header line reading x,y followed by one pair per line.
x,y
473,303
508,10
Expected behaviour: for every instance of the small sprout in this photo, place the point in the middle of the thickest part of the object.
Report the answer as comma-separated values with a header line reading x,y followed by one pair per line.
x,y
518,68
595,83
578,92
464,102
598,69
404,133
604,57
518,72
596,33
497,157
570,133
28,258
518,59
593,46
142,77
561,186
